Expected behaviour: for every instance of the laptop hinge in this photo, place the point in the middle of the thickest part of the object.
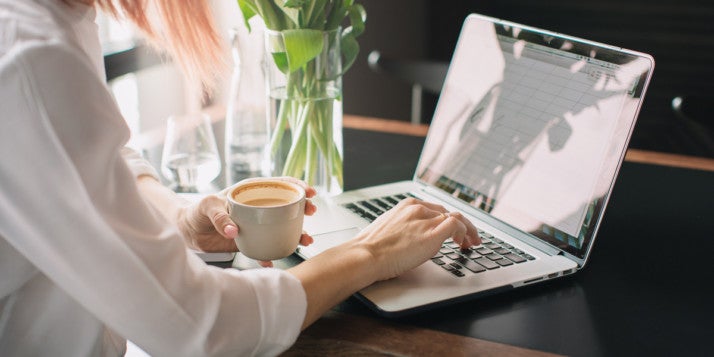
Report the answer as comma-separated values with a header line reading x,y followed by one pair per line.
x,y
493,222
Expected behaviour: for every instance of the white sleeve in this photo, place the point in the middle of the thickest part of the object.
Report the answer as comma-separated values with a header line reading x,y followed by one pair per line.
x,y
74,211
138,164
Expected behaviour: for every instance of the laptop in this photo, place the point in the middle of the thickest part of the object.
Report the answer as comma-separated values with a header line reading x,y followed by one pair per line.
x,y
526,141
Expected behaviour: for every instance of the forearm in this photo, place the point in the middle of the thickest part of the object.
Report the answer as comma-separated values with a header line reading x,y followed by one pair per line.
x,y
161,197
333,276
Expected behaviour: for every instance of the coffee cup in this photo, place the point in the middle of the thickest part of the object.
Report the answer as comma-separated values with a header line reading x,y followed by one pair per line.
x,y
269,214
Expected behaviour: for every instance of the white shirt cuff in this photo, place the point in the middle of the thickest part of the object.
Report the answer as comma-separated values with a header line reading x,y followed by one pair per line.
x,y
282,305
137,164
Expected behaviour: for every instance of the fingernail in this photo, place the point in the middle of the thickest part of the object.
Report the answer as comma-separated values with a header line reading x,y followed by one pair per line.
x,y
230,231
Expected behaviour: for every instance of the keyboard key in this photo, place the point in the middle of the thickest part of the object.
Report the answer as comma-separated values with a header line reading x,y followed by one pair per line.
x,y
372,208
445,250
515,258
437,261
488,264
354,208
504,262
453,245
390,200
386,206
493,246
528,256
484,251
502,251
364,214
458,273
453,255
471,265
400,196
455,266
493,256
471,254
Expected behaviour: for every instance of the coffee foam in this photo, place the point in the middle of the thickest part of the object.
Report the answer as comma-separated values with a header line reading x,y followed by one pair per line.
x,y
263,190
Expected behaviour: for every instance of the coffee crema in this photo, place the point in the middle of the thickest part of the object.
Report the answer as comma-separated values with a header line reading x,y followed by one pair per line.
x,y
266,202
262,186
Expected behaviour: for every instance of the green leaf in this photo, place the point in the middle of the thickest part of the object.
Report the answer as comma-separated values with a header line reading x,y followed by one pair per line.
x,y
296,4
248,9
273,17
314,14
317,19
291,11
301,46
281,61
337,14
349,50
358,16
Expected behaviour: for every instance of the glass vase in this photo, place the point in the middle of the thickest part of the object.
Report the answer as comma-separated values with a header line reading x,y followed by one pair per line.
x,y
305,112
246,130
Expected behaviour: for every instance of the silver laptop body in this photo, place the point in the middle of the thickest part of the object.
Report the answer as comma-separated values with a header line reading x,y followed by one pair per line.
x,y
526,141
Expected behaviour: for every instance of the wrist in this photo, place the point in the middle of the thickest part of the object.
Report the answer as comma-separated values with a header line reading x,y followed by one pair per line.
x,y
334,275
363,259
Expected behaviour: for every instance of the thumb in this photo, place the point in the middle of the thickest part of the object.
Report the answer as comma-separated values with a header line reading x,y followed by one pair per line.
x,y
221,221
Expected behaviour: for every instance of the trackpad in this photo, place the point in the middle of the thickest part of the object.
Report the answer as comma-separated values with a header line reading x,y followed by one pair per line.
x,y
325,241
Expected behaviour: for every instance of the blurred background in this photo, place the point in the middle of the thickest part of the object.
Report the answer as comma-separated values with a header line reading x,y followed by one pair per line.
x,y
679,34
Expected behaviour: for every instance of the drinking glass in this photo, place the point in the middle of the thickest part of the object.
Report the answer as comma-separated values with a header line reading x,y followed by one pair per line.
x,y
190,157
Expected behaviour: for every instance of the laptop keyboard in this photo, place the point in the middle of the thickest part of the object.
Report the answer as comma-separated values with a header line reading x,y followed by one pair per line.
x,y
371,209
493,253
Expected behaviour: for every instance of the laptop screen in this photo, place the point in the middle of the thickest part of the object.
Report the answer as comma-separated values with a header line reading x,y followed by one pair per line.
x,y
531,128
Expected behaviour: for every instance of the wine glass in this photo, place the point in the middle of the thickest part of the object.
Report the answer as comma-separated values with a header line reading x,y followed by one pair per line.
x,y
190,157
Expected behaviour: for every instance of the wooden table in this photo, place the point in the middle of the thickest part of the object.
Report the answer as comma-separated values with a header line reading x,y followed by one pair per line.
x,y
341,334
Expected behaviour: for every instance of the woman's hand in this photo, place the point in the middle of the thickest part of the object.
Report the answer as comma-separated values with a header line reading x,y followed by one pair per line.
x,y
208,227
411,233
402,238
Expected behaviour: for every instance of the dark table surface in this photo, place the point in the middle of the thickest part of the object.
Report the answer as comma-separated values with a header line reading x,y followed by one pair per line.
x,y
645,290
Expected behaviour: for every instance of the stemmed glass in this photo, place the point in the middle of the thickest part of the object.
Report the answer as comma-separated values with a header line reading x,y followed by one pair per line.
x,y
190,157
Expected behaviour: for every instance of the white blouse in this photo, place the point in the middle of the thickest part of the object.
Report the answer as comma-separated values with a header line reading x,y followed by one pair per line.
x,y
85,262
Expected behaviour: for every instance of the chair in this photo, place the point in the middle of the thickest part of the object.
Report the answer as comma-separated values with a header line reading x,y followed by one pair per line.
x,y
421,75
130,59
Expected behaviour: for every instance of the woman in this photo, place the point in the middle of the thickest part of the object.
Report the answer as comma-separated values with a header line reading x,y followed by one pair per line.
x,y
93,249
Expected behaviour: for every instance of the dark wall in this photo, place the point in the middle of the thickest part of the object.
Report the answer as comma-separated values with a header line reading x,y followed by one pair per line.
x,y
679,34
395,27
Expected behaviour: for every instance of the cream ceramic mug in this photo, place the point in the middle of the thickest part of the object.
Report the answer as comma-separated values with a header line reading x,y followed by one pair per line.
x,y
269,214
